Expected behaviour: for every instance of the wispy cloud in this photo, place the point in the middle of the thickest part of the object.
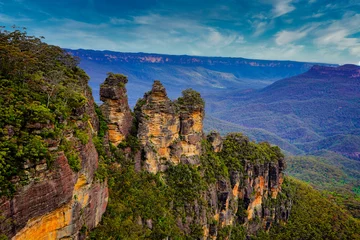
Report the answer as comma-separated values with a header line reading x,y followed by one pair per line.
x,y
281,7
160,31
338,34
314,15
285,37
119,21
5,19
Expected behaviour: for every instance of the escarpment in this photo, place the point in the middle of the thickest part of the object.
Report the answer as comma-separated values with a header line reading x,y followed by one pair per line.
x,y
217,186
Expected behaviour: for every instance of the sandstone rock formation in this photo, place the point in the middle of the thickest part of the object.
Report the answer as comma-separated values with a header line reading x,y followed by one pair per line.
x,y
169,131
116,107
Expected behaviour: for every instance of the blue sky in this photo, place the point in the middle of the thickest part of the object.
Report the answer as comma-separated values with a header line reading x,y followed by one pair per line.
x,y
303,30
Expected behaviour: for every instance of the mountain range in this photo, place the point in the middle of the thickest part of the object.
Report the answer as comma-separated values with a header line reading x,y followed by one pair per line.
x,y
208,75
319,109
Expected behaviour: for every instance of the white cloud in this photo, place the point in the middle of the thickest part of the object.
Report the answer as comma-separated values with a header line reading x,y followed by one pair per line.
x,y
69,33
260,27
317,15
338,34
314,15
285,37
5,19
260,16
265,51
119,21
240,39
282,7
184,32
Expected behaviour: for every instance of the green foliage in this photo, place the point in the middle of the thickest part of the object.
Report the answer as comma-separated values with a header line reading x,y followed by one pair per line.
x,y
212,164
3,237
38,113
40,89
102,122
140,102
238,148
82,135
36,149
236,232
74,161
116,75
186,183
313,216
165,198
190,99
336,176
132,142
137,197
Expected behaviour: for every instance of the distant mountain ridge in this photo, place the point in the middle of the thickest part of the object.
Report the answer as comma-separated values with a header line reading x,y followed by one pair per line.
x,y
319,109
208,75
141,57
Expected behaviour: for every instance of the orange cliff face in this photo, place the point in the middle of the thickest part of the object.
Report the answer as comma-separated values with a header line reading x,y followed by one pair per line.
x,y
168,131
56,202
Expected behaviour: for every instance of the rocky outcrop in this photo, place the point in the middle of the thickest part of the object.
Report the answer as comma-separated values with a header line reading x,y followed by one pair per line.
x,y
216,141
169,132
158,128
191,108
116,107
54,201
249,197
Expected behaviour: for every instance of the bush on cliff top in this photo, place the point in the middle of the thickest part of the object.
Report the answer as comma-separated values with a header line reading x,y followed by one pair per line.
x,y
190,98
